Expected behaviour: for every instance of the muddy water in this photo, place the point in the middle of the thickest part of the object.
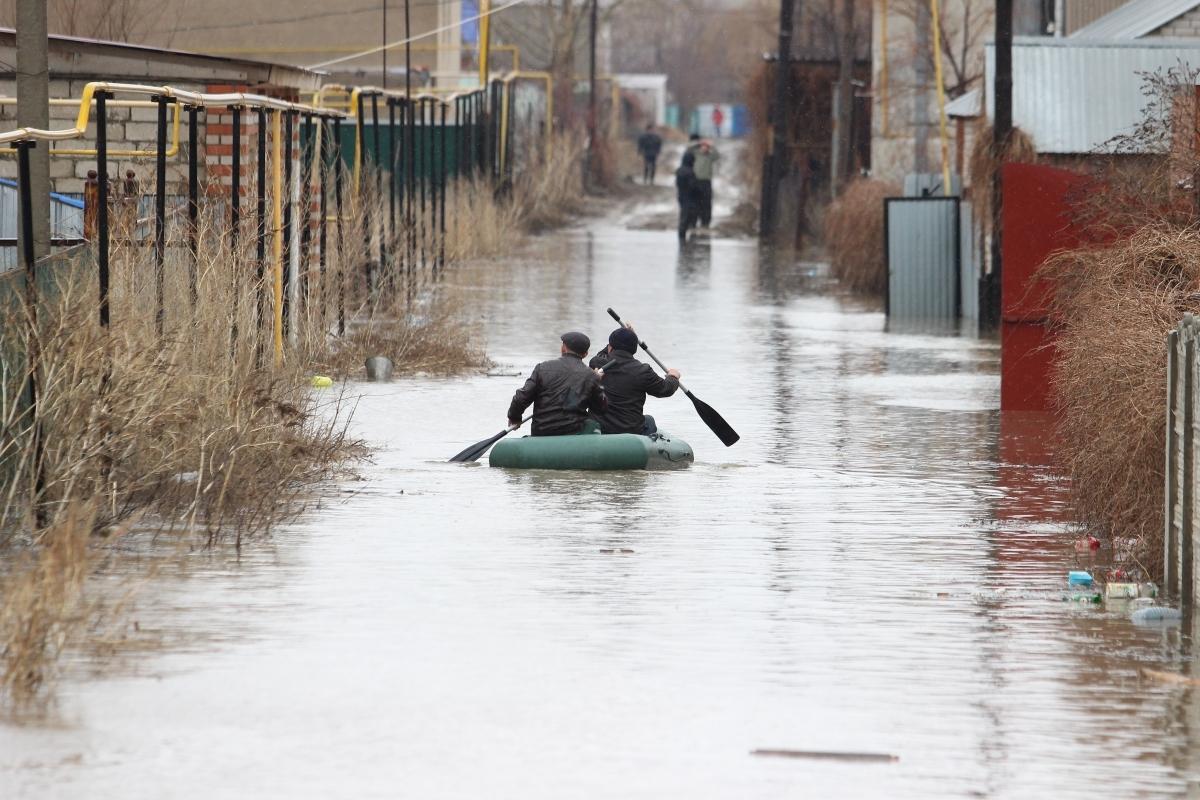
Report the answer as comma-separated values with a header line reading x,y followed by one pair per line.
x,y
876,567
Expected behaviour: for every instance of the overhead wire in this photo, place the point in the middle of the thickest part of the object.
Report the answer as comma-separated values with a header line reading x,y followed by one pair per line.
x,y
425,35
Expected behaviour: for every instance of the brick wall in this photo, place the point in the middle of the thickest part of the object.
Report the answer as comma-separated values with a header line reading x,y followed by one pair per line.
x,y
137,129
1186,26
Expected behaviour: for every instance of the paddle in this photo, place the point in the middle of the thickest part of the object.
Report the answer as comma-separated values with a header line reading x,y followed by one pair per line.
x,y
712,419
475,451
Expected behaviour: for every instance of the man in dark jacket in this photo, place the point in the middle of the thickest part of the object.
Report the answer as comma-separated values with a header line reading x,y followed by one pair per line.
x,y
649,145
626,384
687,191
562,390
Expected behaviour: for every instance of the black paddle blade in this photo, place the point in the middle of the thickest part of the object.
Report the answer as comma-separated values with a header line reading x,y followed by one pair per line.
x,y
476,450
715,421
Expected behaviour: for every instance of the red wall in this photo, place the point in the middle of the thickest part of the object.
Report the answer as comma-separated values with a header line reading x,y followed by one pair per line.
x,y
1036,224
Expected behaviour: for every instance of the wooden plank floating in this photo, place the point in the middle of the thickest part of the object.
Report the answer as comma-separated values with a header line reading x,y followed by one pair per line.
x,y
821,755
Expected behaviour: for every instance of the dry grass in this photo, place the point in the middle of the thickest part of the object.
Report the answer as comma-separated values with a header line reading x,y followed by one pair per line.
x,y
985,162
855,238
43,607
1113,307
429,340
201,434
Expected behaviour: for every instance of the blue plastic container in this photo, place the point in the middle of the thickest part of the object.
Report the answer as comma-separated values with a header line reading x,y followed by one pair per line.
x,y
1079,577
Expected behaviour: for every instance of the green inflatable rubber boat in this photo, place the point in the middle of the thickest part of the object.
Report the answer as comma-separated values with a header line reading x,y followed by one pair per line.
x,y
592,451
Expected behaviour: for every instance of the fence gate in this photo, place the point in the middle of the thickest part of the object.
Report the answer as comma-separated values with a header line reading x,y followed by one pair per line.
x,y
923,257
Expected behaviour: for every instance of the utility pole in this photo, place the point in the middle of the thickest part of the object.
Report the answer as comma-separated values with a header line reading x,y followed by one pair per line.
x,y
777,162
591,148
33,111
990,300
385,41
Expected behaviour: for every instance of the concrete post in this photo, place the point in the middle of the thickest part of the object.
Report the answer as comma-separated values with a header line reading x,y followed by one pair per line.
x,y
33,111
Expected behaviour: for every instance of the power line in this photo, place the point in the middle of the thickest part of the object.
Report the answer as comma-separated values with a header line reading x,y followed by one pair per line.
x,y
373,7
425,35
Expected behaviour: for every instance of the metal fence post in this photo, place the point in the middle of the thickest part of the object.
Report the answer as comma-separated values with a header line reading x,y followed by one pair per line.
x,y
32,349
307,152
193,205
160,216
341,242
378,162
391,226
235,223
286,265
260,304
323,224
102,185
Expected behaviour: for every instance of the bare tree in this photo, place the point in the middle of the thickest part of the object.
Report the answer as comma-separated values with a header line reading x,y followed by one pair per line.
x,y
115,20
965,25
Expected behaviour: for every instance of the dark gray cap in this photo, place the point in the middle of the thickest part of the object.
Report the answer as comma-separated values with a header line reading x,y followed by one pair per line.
x,y
577,342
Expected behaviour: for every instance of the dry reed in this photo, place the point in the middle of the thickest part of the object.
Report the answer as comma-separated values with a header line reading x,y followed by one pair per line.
x,y
1113,306
205,430
854,236
985,162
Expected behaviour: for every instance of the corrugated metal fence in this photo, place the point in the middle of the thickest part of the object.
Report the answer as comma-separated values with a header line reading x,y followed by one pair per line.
x,y
923,257
1183,377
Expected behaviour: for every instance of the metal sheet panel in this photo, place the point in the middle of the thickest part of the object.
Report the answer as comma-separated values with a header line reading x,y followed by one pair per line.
x,y
1073,96
968,268
923,258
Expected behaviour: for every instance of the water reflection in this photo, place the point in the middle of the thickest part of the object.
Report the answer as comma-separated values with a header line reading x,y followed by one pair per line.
x,y
877,566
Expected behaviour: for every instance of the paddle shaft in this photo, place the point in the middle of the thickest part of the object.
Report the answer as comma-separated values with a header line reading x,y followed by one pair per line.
x,y
661,365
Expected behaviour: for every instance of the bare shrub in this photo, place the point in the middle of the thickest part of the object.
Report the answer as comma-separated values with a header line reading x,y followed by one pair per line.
x,y
854,236
1113,307
985,162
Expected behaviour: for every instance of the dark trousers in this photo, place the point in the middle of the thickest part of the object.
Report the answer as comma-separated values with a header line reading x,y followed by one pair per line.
x,y
689,213
705,210
649,169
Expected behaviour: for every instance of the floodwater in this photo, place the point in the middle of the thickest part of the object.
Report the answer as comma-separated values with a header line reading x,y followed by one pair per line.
x,y
877,567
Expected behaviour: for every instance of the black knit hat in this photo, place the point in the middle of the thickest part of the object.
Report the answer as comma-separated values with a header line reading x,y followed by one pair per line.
x,y
624,339
577,342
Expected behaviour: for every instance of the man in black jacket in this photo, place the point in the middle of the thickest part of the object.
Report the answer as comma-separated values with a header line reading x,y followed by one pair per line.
x,y
649,145
626,384
687,191
562,391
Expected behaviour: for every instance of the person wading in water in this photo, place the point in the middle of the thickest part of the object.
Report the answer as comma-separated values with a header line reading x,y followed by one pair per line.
x,y
562,390
626,384
649,145
687,191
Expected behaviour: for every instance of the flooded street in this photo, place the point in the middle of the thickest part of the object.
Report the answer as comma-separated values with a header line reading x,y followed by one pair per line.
x,y
876,567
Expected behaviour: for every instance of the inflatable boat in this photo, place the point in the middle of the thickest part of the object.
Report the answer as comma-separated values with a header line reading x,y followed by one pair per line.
x,y
592,451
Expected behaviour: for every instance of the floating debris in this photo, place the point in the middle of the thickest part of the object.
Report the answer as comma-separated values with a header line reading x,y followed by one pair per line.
x,y
828,755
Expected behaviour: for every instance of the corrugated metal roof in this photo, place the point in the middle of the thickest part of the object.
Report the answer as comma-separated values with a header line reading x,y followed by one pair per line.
x,y
1073,96
1135,19
968,105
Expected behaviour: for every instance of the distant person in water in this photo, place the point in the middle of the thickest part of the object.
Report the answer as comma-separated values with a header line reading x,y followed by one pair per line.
x,y
627,381
687,192
706,163
562,390
649,145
